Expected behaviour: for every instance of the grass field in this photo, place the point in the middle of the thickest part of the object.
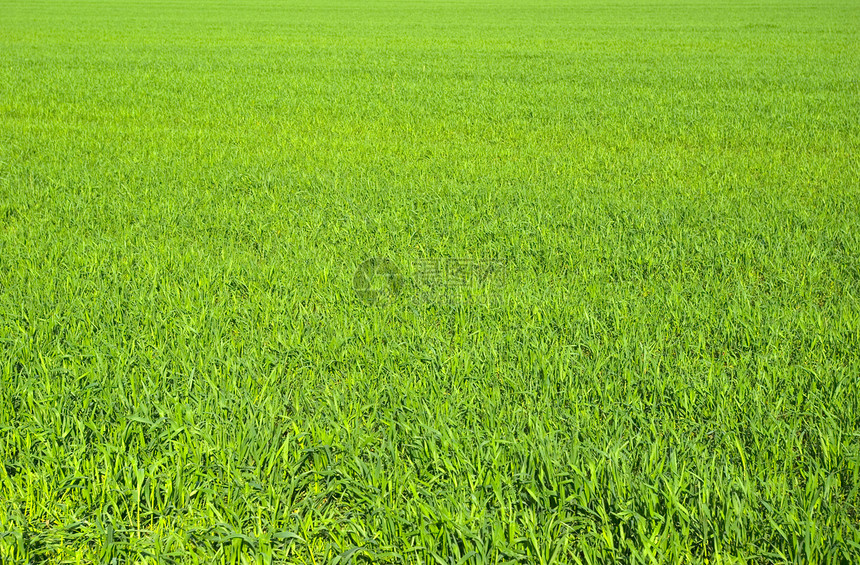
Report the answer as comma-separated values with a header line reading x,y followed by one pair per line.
x,y
657,362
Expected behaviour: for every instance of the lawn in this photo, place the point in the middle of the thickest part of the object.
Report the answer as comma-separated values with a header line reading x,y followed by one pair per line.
x,y
429,282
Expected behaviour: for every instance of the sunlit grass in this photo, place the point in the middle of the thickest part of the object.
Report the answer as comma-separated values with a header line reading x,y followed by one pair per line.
x,y
662,367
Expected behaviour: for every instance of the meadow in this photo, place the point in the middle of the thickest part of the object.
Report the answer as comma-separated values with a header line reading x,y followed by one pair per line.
x,y
661,367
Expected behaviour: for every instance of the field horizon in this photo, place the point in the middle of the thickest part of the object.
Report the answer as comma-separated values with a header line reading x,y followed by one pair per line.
x,y
403,282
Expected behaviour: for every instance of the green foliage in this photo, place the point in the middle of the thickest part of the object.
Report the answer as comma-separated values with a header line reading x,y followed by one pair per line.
x,y
666,372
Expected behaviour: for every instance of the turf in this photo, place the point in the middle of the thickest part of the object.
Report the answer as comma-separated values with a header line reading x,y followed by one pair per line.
x,y
652,355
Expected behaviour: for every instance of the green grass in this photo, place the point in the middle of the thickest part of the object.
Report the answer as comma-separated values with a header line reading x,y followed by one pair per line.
x,y
666,369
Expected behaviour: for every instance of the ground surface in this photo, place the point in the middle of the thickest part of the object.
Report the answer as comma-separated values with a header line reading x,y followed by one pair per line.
x,y
649,350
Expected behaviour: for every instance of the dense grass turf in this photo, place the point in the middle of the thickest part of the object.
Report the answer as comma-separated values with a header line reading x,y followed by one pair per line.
x,y
665,368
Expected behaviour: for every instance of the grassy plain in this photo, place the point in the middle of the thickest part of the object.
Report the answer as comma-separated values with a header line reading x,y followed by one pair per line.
x,y
666,372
